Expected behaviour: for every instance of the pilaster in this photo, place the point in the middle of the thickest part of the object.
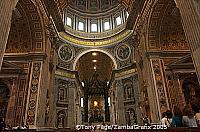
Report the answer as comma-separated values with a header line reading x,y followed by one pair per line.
x,y
33,95
71,107
120,106
190,14
6,8
149,84
159,85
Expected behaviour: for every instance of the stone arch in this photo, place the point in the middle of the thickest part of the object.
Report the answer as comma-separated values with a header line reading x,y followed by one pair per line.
x,y
27,30
165,16
91,50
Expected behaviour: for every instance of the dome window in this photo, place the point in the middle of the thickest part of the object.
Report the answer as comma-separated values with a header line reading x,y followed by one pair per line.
x,y
81,26
106,26
69,21
94,27
118,20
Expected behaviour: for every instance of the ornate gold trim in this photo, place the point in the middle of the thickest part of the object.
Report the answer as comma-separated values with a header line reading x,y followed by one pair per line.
x,y
125,73
65,74
95,42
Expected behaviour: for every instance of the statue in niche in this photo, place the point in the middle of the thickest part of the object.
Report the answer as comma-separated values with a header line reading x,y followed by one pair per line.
x,y
128,93
61,94
61,119
128,87
131,117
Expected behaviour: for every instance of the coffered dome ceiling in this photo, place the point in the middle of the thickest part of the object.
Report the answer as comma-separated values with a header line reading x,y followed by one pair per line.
x,y
93,6
103,20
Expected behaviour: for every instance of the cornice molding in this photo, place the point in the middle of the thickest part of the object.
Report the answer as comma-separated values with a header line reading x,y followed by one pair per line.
x,y
96,42
36,56
167,54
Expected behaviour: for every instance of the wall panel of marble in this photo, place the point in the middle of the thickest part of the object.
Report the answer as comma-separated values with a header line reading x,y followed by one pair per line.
x,y
65,104
128,111
18,82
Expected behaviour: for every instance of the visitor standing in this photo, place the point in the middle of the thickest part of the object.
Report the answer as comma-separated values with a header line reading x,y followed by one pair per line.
x,y
188,117
177,118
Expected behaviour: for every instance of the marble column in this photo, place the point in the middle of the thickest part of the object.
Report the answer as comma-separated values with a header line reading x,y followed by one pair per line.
x,y
190,14
6,8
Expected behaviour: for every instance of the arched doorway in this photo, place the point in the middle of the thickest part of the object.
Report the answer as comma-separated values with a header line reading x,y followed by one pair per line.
x,y
95,72
4,98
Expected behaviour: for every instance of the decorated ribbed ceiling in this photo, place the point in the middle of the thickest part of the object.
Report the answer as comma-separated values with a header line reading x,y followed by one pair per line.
x,y
94,19
93,6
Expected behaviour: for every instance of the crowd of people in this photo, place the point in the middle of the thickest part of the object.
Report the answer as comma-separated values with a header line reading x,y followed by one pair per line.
x,y
3,126
185,118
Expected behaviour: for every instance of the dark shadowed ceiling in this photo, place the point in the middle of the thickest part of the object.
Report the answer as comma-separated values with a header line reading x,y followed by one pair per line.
x,y
93,6
87,63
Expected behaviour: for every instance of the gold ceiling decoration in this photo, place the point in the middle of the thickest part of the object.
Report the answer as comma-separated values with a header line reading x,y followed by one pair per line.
x,y
93,42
